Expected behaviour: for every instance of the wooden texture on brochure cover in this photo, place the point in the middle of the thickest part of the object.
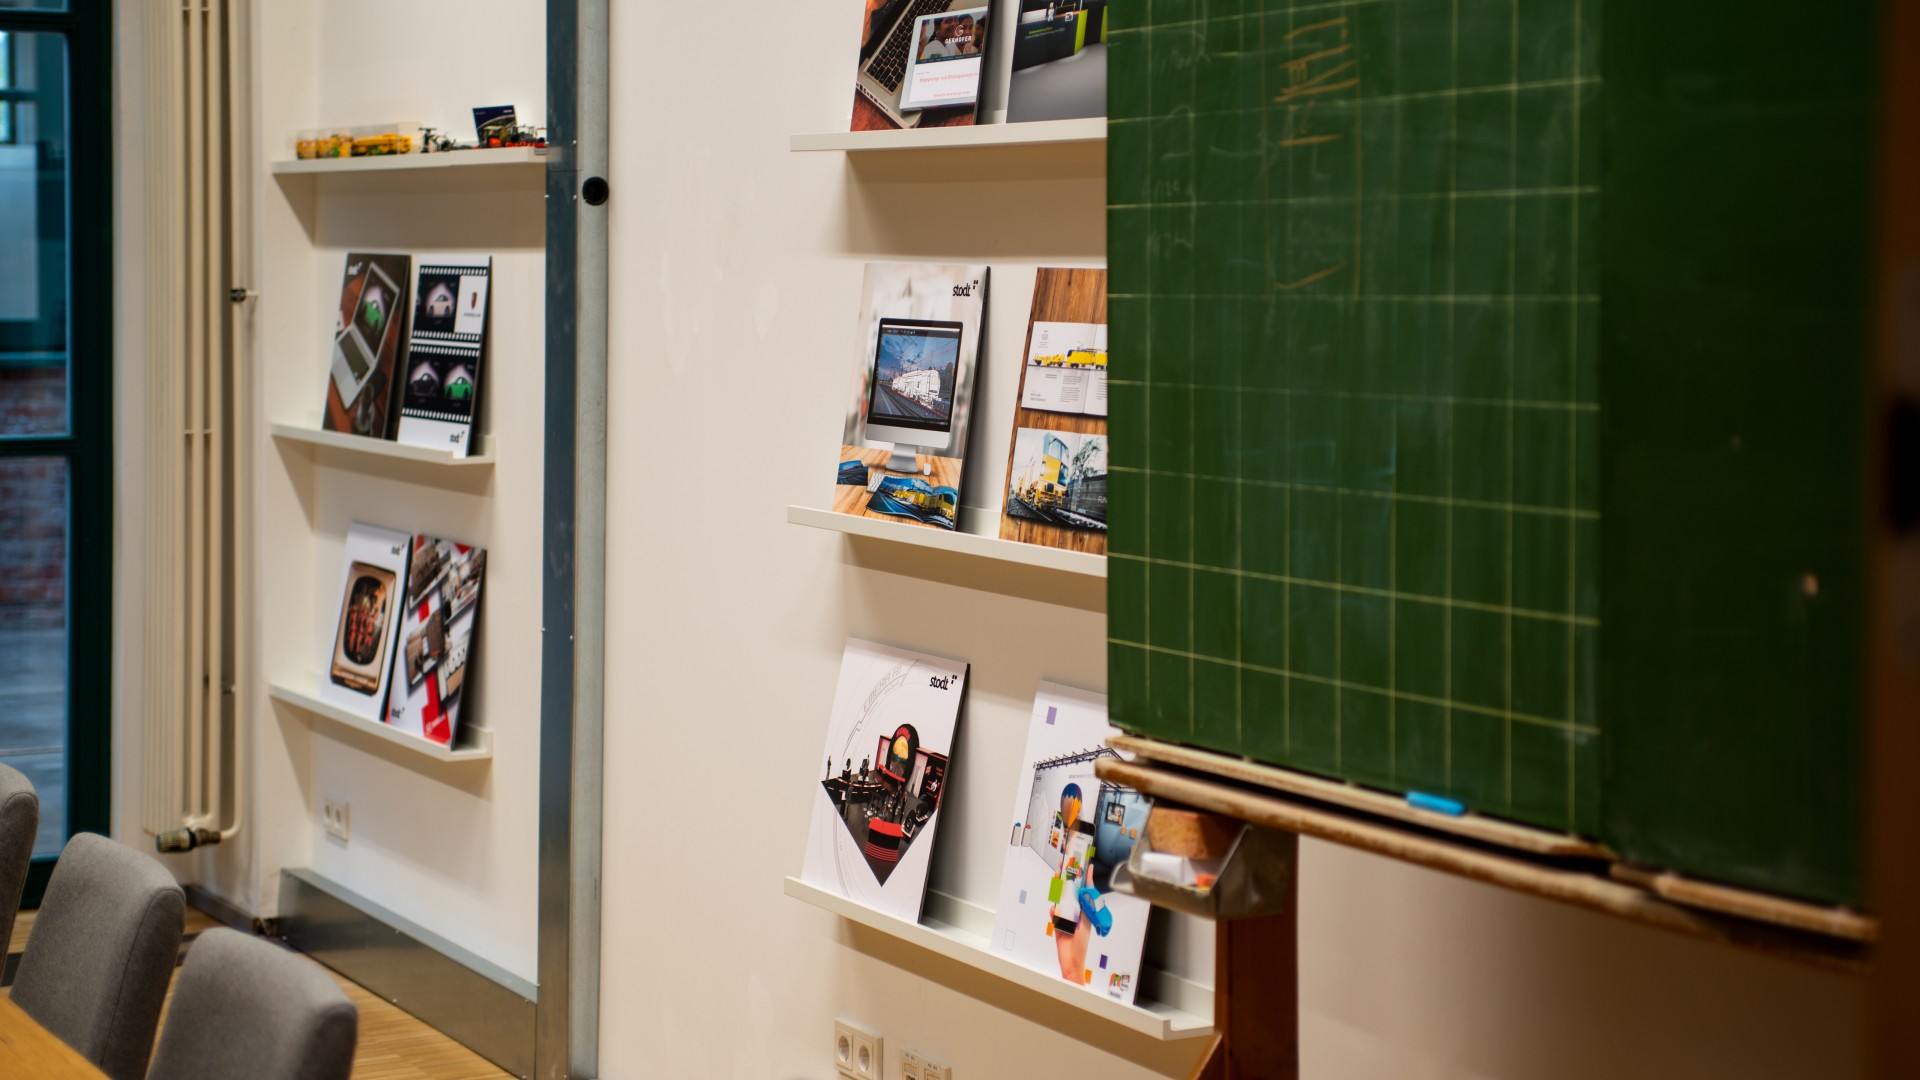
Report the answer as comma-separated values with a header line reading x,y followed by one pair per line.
x,y
1077,295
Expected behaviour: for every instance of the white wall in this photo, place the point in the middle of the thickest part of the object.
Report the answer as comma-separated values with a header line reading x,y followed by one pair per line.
x,y
452,848
736,263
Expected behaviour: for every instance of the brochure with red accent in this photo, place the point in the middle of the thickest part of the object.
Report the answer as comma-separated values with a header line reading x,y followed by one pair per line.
x,y
888,740
430,666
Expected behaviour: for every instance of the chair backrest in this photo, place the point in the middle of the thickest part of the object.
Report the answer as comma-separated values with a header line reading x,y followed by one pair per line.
x,y
101,953
245,1009
19,822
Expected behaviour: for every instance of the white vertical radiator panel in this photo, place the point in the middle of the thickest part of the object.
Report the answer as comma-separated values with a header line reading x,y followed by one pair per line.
x,y
195,403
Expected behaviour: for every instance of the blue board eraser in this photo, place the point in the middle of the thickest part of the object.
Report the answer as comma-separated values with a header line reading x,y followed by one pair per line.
x,y
1420,800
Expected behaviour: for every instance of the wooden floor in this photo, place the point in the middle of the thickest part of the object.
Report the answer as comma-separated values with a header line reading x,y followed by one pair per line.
x,y
393,1045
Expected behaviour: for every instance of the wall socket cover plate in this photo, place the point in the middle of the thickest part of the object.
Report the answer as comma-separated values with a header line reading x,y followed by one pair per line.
x,y
857,1052
336,816
916,1066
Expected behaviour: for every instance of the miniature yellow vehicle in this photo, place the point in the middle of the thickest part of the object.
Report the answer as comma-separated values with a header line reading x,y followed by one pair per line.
x,y
382,145
1086,358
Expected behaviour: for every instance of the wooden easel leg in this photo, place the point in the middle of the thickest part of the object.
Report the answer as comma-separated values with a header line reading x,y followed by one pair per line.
x,y
1256,994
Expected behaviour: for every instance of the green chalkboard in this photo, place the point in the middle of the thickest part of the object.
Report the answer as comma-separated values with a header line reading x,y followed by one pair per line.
x,y
1354,275
1489,409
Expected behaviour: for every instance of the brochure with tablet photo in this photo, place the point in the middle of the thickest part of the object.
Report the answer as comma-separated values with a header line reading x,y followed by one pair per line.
x,y
917,345
441,395
436,638
368,328
360,652
1059,61
920,63
1058,912
1057,465
876,805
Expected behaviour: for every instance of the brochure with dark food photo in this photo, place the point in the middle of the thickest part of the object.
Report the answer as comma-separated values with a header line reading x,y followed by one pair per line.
x,y
441,395
368,613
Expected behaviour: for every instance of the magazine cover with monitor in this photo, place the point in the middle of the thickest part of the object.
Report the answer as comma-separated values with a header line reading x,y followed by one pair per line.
x,y
369,326
1057,466
905,436
1059,61
440,396
431,663
876,807
920,63
365,623
1057,911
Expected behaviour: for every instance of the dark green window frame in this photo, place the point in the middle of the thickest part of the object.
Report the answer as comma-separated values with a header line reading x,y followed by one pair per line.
x,y
88,444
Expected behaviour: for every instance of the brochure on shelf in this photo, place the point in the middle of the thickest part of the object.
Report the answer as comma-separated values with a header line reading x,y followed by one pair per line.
x,y
1059,61
895,714
1057,465
905,436
369,326
920,63
445,351
436,638
1057,911
360,653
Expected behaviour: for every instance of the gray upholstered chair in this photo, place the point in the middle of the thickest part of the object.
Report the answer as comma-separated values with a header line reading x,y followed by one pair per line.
x,y
245,1009
101,953
19,821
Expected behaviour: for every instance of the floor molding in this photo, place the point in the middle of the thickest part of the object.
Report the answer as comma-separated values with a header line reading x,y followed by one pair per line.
x,y
473,1001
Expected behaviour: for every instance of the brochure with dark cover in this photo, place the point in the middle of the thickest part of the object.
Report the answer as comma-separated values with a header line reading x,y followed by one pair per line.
x,y
441,394
368,330
1059,61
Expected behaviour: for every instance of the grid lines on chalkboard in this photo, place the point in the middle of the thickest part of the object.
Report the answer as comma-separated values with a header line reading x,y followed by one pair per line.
x,y
1354,508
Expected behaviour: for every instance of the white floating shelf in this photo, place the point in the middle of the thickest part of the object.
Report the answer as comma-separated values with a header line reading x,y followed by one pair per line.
x,y
383,448
521,156
962,541
968,946
1036,133
474,744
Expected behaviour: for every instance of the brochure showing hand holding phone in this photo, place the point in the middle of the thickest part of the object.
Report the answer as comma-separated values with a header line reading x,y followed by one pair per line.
x,y
905,435
895,713
360,652
919,59
1057,911
441,395
369,327
436,638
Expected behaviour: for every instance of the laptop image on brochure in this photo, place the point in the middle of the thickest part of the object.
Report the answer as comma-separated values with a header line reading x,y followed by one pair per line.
x,y
887,52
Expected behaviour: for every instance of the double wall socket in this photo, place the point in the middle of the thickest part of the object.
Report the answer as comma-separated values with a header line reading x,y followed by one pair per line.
x,y
857,1053
917,1066
336,815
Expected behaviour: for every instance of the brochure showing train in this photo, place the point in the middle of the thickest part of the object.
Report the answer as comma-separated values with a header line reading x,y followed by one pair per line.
x,y
360,653
916,349
1066,369
1059,478
895,713
1057,911
442,391
1057,464
436,638
369,326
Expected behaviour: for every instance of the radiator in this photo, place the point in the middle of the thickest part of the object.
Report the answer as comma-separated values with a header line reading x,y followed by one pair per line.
x,y
197,395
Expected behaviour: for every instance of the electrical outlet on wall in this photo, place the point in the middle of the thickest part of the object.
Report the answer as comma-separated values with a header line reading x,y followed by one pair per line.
x,y
857,1052
336,815
917,1066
